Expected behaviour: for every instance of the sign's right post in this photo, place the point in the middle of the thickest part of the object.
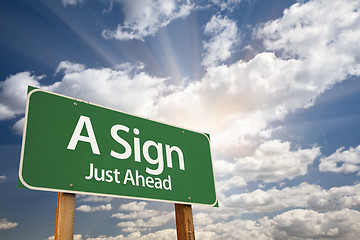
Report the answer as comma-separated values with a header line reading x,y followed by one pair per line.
x,y
184,222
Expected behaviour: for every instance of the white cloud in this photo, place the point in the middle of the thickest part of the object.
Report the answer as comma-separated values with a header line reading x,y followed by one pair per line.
x,y
18,127
342,161
202,219
305,195
309,224
92,198
144,225
87,208
335,198
302,196
133,206
5,224
321,35
273,199
227,4
70,67
142,219
75,237
95,85
146,213
2,178
224,36
71,2
166,234
13,94
292,225
144,18
112,87
272,161
231,183
236,101
235,229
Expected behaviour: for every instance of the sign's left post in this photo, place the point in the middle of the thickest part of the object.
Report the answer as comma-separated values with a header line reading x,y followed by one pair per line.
x,y
64,227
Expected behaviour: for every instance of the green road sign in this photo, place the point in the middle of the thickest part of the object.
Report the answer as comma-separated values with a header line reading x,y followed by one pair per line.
x,y
78,147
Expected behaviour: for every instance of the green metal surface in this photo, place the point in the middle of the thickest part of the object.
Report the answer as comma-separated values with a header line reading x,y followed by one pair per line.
x,y
47,163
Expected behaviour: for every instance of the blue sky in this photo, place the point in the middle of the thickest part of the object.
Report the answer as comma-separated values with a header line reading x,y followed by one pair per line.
x,y
275,83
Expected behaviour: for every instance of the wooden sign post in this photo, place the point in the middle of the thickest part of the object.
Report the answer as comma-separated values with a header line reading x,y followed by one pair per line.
x,y
65,211
184,222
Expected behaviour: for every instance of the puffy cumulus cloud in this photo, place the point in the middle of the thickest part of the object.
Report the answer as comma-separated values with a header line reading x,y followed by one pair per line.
x,y
87,208
3,178
302,196
292,225
322,35
5,224
309,224
18,127
77,237
223,34
235,229
335,198
110,87
69,67
145,225
273,199
166,234
238,101
305,195
202,219
342,161
232,183
133,206
13,93
144,18
272,161
141,219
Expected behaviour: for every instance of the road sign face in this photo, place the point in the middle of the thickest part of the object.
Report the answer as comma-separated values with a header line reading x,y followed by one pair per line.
x,y
74,146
